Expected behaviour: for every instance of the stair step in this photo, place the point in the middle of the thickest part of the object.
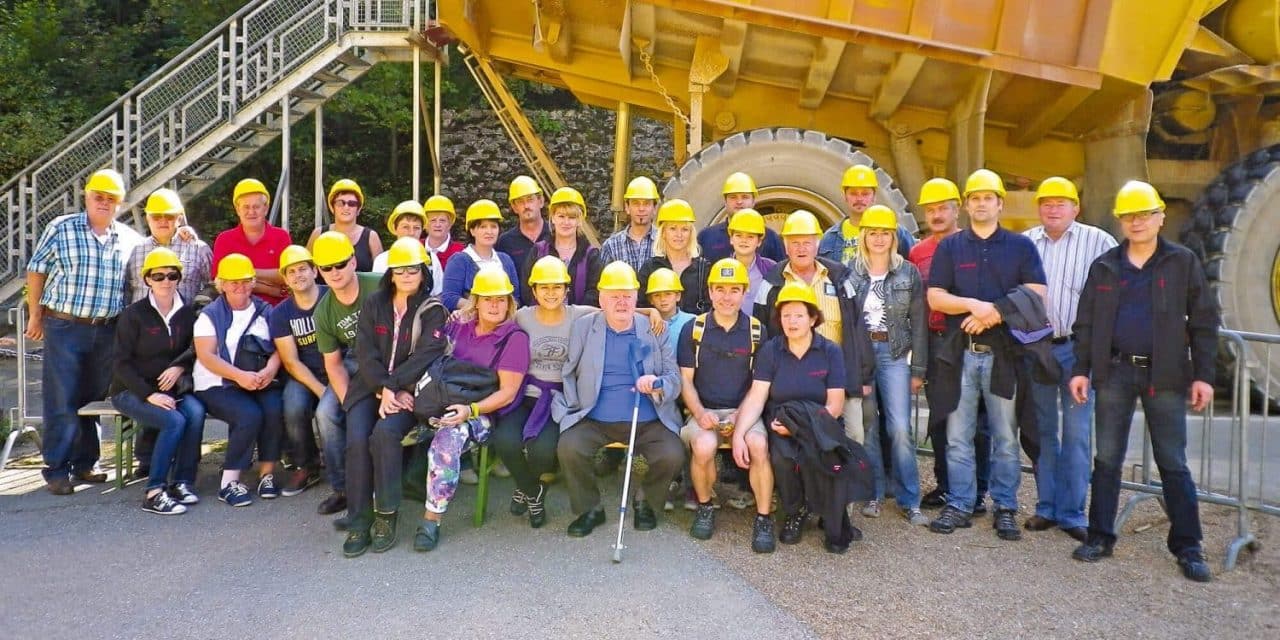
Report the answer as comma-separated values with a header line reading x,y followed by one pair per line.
x,y
216,160
352,60
307,94
274,109
238,144
191,177
329,77
254,125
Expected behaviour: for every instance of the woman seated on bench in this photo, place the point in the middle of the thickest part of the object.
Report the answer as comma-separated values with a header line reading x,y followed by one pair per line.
x,y
151,382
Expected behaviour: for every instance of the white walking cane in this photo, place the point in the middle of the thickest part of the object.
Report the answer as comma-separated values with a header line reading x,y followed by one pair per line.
x,y
626,478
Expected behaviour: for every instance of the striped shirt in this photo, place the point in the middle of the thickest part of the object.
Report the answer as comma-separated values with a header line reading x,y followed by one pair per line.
x,y
85,275
197,262
620,246
832,327
1066,266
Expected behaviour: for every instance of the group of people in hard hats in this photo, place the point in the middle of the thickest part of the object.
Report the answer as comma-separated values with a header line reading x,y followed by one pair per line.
x,y
791,358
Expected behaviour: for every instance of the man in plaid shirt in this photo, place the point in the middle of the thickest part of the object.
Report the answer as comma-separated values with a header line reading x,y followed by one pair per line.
x,y
165,218
75,289
634,244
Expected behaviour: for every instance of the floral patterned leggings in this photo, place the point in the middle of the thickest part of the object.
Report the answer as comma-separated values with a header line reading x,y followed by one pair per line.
x,y
445,457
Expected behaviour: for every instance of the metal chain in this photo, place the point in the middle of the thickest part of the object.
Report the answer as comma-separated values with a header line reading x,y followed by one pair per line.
x,y
648,65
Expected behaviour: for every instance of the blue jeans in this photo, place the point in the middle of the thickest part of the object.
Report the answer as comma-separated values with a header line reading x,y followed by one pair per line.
x,y
962,424
180,432
1062,472
77,371
251,417
299,410
893,382
1166,415
360,423
331,420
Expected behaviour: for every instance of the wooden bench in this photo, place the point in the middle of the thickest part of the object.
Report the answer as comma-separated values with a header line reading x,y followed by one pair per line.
x,y
125,428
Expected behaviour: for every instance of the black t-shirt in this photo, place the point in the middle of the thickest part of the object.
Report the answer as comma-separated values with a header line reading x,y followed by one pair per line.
x,y
288,320
722,370
808,378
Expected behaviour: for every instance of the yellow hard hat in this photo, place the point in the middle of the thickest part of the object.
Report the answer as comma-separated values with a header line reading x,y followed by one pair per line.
x,y
984,180
878,216
641,188
160,257
440,204
938,190
164,202
406,208
522,186
728,271
483,210
739,183
406,252
1137,196
747,221
618,276
1057,187
248,186
491,281
568,195
106,181
801,223
549,270
794,291
293,254
676,210
236,266
345,184
332,247
859,175
662,280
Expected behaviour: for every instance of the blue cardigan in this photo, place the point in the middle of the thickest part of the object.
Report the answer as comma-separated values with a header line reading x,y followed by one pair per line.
x,y
461,270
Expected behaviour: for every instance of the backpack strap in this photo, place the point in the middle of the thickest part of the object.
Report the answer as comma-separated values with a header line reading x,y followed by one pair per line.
x,y
699,327
757,335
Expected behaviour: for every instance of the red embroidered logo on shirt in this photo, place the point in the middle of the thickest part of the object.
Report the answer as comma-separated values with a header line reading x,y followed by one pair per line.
x,y
381,329
967,265
820,373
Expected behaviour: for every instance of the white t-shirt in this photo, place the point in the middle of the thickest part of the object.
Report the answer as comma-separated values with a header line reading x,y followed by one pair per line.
x,y
203,377
873,308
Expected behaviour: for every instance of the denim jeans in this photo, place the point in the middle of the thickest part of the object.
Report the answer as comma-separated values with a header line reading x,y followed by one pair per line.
x,y
893,399
179,433
360,422
1062,472
1166,416
251,417
331,420
938,436
77,371
299,410
1006,471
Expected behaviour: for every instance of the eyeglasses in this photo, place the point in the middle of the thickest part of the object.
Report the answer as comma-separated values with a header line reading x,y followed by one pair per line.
x,y
172,276
340,265
410,270
344,201
1144,216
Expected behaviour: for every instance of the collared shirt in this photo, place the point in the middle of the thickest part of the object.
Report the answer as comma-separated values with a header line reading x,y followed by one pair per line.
x,y
514,243
1135,315
618,381
832,327
808,378
85,273
721,361
984,268
1066,266
167,317
621,246
264,254
922,256
196,258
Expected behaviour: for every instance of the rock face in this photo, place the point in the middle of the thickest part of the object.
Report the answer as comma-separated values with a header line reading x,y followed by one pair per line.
x,y
479,160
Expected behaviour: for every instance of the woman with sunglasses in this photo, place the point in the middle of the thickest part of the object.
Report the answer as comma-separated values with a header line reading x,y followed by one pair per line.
x,y
149,384
400,332
247,400
346,200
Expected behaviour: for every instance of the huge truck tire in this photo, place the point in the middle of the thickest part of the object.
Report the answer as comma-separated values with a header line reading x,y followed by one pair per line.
x,y
793,168
1235,228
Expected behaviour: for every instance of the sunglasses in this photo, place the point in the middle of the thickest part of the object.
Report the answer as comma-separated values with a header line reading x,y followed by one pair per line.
x,y
172,276
349,203
162,217
407,271
340,265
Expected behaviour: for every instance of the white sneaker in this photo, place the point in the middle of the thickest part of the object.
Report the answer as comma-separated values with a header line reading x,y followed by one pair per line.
x,y
500,470
162,504
916,518
469,476
871,509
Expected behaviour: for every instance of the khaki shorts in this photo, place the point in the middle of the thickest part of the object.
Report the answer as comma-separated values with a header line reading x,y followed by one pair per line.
x,y
691,428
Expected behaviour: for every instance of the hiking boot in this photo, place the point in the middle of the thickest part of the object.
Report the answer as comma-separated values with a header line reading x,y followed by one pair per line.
x,y
300,480
357,542
267,489
762,534
793,526
949,520
871,509
704,522
519,504
427,537
60,487
337,501
645,519
1006,524
1194,567
236,494
162,504
92,476
934,499
183,493
383,532
1093,550
537,507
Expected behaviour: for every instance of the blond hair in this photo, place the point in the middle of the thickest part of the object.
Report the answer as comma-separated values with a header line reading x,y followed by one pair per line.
x,y
863,259
660,243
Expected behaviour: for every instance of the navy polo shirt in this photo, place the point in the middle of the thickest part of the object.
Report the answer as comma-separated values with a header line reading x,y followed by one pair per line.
x,y
984,268
618,382
1134,317
807,378
722,370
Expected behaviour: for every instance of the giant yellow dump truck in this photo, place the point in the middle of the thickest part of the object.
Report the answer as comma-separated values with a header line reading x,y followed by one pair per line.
x,y
1178,92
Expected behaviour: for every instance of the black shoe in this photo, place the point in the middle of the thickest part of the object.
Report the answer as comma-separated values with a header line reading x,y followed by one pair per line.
x,y
949,520
584,524
855,534
1194,567
384,531
834,547
337,501
793,526
427,536
140,472
358,542
645,519
61,487
342,523
1092,551
1006,524
1039,523
704,522
518,506
979,506
762,535
934,499
1081,534
537,506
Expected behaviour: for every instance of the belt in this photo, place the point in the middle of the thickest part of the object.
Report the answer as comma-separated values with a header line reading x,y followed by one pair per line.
x,y
1062,339
1143,362
79,320
879,336
978,347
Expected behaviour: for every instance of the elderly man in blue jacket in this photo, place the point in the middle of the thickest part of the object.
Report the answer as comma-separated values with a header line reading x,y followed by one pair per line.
x,y
612,357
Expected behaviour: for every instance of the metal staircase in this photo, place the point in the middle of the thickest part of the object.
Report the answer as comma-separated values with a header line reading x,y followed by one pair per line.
x,y
208,109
